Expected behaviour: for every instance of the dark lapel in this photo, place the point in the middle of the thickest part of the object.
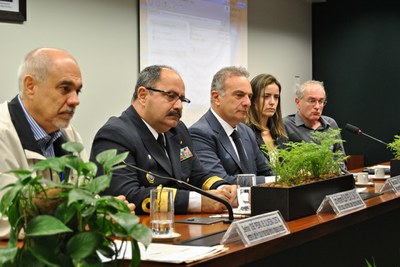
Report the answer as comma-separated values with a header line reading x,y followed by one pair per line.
x,y
58,151
22,126
222,136
25,133
149,141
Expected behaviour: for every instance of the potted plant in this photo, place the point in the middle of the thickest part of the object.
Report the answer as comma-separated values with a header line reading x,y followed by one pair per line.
x,y
68,223
305,172
395,162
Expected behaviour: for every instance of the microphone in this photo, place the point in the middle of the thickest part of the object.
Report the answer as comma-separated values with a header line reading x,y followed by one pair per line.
x,y
355,130
188,186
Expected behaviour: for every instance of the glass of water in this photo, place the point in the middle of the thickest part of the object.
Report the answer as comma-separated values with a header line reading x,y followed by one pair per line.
x,y
244,183
162,212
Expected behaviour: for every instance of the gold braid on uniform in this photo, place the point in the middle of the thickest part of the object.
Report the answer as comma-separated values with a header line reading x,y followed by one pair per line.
x,y
146,201
210,181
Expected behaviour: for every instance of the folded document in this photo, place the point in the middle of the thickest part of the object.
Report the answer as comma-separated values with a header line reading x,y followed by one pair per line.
x,y
168,253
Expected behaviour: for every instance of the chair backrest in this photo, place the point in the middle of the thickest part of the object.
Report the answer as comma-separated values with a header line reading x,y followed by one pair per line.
x,y
355,162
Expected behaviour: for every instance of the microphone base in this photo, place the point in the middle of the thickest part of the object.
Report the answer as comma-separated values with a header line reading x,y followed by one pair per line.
x,y
227,221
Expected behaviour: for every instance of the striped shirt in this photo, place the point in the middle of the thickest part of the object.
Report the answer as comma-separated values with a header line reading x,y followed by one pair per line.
x,y
44,140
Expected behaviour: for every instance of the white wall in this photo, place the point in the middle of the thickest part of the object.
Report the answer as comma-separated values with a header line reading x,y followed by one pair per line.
x,y
103,37
280,43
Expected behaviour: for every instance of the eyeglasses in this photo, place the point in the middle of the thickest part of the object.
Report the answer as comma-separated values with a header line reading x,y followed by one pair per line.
x,y
171,95
313,102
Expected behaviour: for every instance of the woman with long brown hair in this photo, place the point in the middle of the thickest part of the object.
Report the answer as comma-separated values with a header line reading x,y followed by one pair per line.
x,y
265,115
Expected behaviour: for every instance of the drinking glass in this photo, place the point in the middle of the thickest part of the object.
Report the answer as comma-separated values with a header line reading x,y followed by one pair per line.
x,y
162,212
244,183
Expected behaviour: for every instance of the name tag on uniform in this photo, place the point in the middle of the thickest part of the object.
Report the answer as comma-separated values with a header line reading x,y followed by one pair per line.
x,y
185,153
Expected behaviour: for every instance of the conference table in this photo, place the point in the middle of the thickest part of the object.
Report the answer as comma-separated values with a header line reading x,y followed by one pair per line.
x,y
323,239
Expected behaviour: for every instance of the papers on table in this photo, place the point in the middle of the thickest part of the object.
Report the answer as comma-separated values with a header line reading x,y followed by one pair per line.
x,y
168,253
361,189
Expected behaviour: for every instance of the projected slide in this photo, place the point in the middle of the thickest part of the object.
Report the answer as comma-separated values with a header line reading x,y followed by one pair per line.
x,y
196,37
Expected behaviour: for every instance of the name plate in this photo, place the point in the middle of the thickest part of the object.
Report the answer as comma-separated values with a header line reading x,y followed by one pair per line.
x,y
257,229
342,202
392,183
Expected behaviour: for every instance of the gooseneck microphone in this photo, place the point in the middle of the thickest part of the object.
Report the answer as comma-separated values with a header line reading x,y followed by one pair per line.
x,y
355,130
188,186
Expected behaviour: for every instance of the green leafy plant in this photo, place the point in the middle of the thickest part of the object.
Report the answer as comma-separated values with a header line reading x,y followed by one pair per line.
x,y
395,146
300,162
68,223
373,264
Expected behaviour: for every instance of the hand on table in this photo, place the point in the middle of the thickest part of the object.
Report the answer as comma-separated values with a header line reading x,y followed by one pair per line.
x,y
209,205
131,206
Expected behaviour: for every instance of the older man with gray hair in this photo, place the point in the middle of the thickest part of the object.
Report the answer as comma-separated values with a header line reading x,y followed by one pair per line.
x,y
224,144
36,122
310,101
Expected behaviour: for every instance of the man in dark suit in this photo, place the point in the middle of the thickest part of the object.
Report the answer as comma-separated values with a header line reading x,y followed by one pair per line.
x,y
213,134
157,141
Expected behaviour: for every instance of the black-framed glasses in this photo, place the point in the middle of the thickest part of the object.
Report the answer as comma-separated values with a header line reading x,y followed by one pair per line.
x,y
171,95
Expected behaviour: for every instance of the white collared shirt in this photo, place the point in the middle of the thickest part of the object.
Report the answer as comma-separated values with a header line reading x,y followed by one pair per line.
x,y
227,128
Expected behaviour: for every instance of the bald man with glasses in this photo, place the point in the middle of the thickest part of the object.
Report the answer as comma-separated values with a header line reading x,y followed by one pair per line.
x,y
157,141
